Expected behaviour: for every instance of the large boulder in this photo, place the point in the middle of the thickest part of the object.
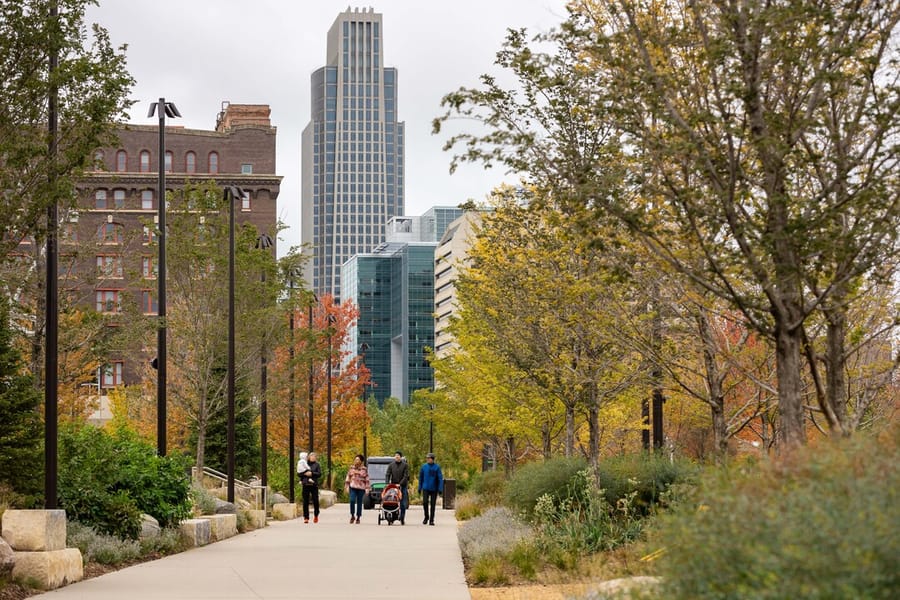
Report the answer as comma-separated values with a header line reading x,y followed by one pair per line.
x,y
50,569
327,498
6,559
276,498
284,511
225,508
149,527
197,532
34,530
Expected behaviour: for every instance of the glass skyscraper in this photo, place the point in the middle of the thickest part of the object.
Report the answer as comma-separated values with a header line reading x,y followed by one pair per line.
x,y
352,151
393,286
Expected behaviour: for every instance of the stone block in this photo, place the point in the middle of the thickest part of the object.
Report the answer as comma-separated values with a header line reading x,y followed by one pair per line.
x,y
284,511
196,531
255,518
149,527
327,498
35,530
49,570
6,559
221,527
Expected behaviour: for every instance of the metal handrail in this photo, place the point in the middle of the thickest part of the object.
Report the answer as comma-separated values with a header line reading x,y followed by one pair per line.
x,y
259,493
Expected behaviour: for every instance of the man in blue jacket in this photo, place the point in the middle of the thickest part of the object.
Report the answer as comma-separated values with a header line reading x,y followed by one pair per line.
x,y
431,483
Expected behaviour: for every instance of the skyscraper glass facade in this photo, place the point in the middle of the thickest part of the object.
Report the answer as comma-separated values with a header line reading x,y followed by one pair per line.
x,y
353,148
394,289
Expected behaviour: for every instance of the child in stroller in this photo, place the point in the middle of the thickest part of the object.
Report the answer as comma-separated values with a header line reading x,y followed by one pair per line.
x,y
391,497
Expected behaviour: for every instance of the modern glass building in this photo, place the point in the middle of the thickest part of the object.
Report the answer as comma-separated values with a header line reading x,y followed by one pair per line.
x,y
393,286
352,151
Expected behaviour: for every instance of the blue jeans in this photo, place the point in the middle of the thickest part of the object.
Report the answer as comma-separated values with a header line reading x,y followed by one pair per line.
x,y
356,500
404,503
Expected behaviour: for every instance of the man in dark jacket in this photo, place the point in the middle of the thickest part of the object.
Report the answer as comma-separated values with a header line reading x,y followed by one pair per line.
x,y
310,481
398,472
431,483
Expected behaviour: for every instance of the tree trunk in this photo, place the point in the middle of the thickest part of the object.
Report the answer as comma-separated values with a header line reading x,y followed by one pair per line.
x,y
791,430
570,431
836,384
545,440
714,383
594,429
510,455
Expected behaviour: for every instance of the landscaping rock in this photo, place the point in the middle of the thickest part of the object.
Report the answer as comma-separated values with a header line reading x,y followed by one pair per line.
x,y
327,498
225,508
284,511
196,531
221,527
149,527
243,504
49,570
623,588
6,559
276,498
34,530
256,519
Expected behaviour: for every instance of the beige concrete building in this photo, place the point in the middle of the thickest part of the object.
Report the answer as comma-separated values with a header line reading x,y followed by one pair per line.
x,y
450,255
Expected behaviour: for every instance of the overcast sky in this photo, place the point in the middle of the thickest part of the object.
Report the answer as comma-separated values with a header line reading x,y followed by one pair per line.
x,y
199,53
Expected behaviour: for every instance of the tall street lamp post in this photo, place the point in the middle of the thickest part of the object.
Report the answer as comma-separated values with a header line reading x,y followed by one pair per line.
x,y
309,388
365,446
331,320
431,431
231,194
264,242
291,276
51,377
162,109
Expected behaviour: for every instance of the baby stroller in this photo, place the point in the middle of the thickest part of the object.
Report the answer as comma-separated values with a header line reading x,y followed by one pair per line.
x,y
391,497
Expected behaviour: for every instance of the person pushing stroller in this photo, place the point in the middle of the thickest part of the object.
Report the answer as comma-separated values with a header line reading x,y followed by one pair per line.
x,y
398,472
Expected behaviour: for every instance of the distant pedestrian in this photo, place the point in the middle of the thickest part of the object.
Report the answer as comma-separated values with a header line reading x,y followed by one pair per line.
x,y
357,486
431,483
310,480
398,472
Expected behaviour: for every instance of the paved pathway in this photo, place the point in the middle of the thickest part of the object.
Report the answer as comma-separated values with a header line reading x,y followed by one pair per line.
x,y
330,560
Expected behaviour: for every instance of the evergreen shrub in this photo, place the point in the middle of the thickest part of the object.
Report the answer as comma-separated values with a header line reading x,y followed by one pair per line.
x,y
490,487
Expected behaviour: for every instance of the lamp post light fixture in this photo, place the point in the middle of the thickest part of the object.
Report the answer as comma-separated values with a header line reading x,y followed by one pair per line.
x,y
264,242
331,320
231,194
163,109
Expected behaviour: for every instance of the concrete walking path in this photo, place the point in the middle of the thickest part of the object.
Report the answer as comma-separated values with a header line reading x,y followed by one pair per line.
x,y
330,560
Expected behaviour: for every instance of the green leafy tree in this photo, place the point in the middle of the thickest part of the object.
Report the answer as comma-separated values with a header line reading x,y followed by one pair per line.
x,y
92,85
757,137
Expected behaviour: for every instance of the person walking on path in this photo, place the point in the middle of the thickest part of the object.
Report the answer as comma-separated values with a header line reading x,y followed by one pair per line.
x,y
310,480
398,472
431,483
357,486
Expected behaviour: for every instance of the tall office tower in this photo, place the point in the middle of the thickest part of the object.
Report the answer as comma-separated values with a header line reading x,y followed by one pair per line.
x,y
352,153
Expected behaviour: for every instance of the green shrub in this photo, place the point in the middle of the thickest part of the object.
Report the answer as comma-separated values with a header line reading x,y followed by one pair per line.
x,y
108,479
649,475
582,521
526,558
280,469
550,477
110,550
824,523
203,500
468,506
490,487
489,570
495,532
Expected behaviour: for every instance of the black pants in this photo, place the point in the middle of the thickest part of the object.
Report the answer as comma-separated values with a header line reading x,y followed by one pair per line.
x,y
429,499
310,492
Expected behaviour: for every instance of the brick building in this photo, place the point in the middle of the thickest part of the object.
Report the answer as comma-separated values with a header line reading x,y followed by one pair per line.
x,y
113,227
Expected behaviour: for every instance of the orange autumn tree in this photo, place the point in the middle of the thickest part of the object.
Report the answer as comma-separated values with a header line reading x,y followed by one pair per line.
x,y
348,382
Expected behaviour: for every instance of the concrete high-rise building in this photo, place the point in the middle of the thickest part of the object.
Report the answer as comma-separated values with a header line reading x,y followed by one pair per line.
x,y
352,151
449,256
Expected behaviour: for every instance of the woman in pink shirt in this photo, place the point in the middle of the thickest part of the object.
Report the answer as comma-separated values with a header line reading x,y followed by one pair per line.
x,y
357,485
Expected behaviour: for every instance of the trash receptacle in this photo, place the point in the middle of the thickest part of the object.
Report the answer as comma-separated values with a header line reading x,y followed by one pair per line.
x,y
449,494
